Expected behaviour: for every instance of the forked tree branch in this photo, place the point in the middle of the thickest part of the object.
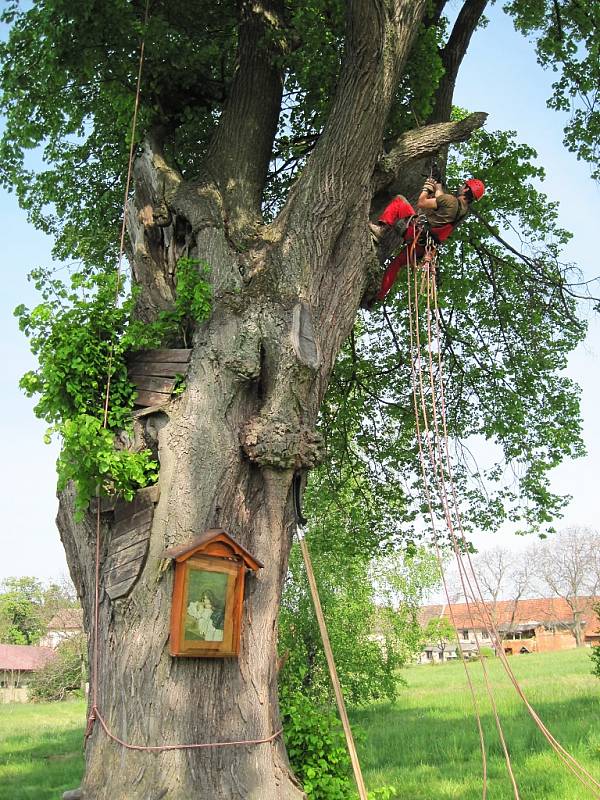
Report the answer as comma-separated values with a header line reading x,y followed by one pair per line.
x,y
337,177
452,55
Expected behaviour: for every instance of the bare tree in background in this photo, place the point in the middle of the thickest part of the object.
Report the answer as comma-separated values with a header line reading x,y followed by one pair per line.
x,y
505,577
568,566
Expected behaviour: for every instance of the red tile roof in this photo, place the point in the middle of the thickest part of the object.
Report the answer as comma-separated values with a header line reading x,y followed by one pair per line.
x,y
24,657
510,612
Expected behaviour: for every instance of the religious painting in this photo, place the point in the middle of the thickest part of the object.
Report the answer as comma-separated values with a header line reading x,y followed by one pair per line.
x,y
208,595
206,600
207,614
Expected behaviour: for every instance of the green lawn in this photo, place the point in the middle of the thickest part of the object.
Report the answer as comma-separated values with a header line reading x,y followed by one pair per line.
x,y
41,751
426,743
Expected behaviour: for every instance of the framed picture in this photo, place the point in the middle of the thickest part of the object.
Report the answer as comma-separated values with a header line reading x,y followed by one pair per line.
x,y
208,595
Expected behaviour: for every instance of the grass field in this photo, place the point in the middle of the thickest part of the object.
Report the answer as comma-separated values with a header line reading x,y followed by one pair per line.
x,y
426,744
40,749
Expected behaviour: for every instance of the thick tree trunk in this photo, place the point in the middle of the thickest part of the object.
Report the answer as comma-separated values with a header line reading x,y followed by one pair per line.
x,y
146,696
285,298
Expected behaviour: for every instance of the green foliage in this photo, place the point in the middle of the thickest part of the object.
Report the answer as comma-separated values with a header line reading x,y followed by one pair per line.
x,y
89,458
566,36
81,335
64,675
26,607
67,77
440,632
508,319
78,333
316,748
192,303
21,611
371,619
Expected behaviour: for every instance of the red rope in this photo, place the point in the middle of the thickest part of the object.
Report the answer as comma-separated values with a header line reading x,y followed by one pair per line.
x,y
164,747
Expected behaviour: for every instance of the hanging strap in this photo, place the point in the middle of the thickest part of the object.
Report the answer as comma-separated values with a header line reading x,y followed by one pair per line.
x,y
362,791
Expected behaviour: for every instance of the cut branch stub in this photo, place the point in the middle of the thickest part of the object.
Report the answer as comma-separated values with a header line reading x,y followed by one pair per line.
x,y
422,142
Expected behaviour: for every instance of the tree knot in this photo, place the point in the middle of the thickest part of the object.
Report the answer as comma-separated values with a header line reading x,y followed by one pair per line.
x,y
279,444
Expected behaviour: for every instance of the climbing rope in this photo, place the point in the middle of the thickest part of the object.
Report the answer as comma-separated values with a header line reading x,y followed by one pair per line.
x,y
339,696
94,709
441,470
572,764
417,383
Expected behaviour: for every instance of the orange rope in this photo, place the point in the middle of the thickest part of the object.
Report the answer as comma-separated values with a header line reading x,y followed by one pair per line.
x,y
570,762
437,466
476,595
419,369
436,543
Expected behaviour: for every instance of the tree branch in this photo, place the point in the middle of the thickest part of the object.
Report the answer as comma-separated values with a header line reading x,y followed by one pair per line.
x,y
239,153
338,173
452,55
423,142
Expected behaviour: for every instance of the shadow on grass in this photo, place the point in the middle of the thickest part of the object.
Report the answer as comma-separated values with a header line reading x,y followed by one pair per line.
x,y
434,751
43,767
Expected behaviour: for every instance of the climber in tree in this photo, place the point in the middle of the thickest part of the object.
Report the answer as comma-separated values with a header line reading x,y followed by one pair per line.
x,y
439,213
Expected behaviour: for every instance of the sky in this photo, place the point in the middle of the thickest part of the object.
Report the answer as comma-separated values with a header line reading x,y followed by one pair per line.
x,y
499,76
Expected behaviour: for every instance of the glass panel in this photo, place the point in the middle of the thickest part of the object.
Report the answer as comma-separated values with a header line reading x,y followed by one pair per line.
x,y
206,600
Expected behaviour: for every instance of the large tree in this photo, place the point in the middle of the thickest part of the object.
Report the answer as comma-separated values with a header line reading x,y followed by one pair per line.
x,y
269,132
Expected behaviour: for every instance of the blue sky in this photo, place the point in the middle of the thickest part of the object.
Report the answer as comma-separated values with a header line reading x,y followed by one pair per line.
x,y
499,76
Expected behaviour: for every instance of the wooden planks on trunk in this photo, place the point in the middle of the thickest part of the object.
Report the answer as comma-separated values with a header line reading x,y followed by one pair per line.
x,y
154,373
129,542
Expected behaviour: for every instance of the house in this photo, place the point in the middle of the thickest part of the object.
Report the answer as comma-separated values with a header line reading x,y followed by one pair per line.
x,y
524,626
436,652
65,624
18,662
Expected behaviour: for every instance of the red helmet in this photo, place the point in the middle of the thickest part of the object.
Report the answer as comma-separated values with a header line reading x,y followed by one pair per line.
x,y
477,187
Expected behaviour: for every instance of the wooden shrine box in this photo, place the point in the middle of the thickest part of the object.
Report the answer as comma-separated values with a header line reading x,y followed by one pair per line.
x,y
208,595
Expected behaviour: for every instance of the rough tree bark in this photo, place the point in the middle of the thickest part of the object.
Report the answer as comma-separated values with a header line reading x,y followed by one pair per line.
x,y
230,445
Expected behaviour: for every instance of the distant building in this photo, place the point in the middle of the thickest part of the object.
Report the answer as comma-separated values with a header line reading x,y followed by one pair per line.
x,y
524,626
18,662
65,624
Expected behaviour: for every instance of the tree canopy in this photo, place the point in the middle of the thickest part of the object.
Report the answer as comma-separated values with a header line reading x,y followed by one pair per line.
x,y
509,312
